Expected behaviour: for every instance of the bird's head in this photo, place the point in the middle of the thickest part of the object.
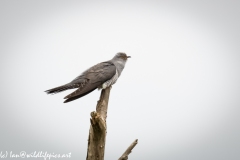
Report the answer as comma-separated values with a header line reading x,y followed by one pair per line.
x,y
121,55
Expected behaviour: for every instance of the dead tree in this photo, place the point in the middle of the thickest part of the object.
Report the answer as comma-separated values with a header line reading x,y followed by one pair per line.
x,y
98,129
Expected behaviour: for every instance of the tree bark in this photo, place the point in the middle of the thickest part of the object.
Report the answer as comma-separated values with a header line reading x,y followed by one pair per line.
x,y
98,128
128,151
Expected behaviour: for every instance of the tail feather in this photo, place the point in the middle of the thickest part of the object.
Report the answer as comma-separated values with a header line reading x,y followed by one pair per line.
x,y
80,92
78,96
59,89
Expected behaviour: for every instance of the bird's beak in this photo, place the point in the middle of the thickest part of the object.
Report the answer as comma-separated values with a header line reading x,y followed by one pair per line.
x,y
128,56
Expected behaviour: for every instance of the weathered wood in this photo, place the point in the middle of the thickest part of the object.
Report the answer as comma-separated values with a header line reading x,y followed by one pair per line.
x,y
128,151
98,128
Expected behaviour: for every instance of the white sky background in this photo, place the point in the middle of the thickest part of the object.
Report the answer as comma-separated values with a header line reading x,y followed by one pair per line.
x,y
178,94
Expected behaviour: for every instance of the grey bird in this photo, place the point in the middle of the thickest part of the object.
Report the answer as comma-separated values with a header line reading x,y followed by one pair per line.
x,y
101,76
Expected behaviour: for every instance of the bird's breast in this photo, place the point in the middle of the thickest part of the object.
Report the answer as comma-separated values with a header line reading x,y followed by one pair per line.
x,y
110,81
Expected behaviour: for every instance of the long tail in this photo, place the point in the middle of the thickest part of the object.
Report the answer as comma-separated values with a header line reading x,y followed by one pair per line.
x,y
59,89
70,98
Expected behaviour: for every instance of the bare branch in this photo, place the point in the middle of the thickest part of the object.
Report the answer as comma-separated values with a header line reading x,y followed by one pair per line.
x,y
98,128
128,151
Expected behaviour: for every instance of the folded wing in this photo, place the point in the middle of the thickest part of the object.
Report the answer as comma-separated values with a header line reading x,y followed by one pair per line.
x,y
91,79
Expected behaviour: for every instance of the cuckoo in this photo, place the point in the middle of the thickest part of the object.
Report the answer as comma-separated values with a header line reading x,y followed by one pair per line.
x,y
101,76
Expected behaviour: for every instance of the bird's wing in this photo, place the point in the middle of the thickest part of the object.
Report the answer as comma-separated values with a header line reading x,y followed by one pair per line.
x,y
92,78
